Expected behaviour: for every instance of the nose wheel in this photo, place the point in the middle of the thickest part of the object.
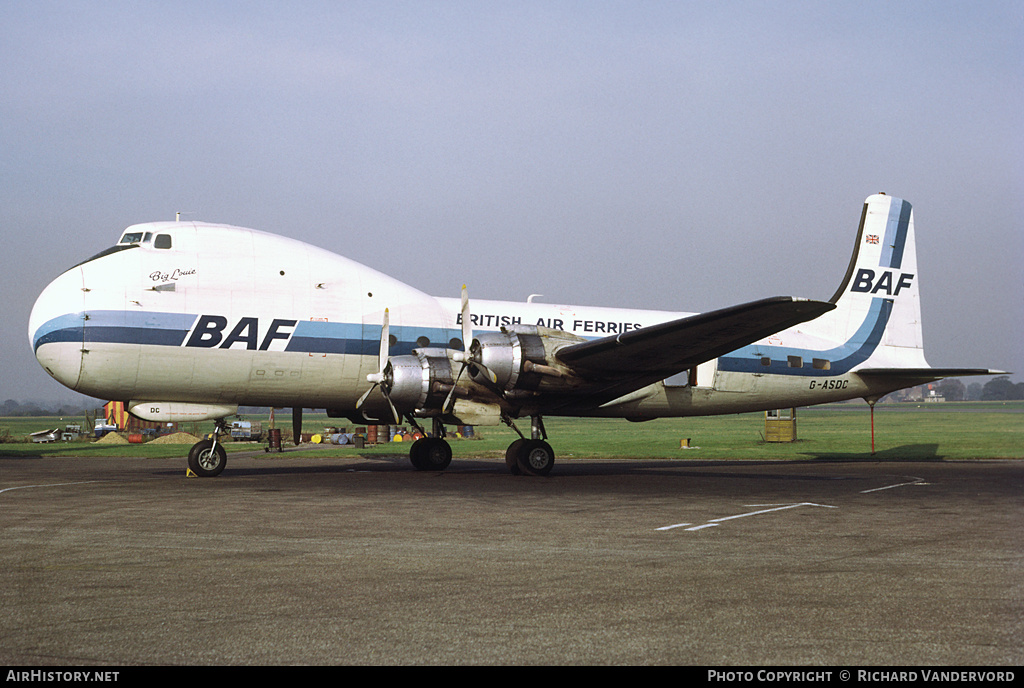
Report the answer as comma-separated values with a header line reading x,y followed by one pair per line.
x,y
207,458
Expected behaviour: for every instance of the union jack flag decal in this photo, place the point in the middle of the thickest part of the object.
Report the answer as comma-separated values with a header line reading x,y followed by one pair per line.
x,y
872,238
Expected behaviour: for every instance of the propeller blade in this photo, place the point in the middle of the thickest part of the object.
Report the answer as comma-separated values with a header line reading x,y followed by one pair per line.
x,y
362,399
467,321
449,403
466,355
297,425
382,361
463,356
394,411
385,343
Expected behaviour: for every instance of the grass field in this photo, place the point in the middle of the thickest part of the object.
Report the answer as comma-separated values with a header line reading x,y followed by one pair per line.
x,y
952,431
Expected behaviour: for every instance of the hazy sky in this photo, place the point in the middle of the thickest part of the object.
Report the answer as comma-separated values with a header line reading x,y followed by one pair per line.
x,y
670,155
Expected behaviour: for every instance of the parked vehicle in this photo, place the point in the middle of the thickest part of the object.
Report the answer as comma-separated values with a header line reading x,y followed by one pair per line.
x,y
246,431
103,427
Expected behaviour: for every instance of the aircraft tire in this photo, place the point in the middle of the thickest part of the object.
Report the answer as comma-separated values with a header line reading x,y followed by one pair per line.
x,y
536,457
430,454
512,456
205,460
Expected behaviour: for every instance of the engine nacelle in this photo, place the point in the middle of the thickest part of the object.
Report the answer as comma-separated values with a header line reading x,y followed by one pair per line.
x,y
421,380
521,358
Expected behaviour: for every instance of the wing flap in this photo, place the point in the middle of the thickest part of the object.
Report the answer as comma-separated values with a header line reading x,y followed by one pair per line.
x,y
668,348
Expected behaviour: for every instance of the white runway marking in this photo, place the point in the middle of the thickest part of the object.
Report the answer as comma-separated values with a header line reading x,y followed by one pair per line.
x,y
765,511
30,487
915,481
717,521
677,525
911,480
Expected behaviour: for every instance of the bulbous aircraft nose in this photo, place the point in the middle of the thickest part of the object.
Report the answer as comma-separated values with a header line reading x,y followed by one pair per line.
x,y
56,328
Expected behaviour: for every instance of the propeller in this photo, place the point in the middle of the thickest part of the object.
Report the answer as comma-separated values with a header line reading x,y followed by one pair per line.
x,y
383,377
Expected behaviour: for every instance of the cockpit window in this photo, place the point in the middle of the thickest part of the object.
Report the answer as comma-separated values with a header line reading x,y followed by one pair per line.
x,y
162,241
131,238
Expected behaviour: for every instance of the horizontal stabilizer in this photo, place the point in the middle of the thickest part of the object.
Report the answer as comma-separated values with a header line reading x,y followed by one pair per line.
x,y
669,348
927,373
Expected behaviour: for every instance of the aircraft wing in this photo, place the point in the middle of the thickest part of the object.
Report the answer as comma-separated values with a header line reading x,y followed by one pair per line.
x,y
669,348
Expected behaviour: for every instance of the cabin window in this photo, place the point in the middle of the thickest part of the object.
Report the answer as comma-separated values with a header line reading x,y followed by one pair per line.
x,y
821,364
162,241
422,342
765,361
795,361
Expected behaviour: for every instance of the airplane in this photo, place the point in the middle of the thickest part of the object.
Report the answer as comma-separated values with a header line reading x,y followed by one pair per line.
x,y
187,321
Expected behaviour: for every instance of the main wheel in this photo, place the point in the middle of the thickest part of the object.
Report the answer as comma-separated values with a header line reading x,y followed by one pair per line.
x,y
207,460
535,457
512,456
430,454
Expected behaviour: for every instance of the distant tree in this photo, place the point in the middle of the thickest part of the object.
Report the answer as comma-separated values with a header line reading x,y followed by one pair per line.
x,y
1001,389
30,409
974,391
952,389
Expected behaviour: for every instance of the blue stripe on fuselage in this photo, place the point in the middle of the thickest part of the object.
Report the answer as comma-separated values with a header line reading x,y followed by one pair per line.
x,y
120,327
320,337
171,329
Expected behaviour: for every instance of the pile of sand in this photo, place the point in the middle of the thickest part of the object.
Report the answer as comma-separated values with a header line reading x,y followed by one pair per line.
x,y
112,438
176,438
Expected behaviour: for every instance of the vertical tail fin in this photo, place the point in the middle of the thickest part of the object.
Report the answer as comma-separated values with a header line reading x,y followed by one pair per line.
x,y
878,308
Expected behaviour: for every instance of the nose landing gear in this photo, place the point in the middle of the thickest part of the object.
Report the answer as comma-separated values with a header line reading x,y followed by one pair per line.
x,y
207,457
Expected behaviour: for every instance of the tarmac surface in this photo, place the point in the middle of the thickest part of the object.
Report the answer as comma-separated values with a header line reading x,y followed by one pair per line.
x,y
362,560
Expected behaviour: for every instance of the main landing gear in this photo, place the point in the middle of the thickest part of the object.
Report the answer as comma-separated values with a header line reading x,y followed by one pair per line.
x,y
430,453
533,456
529,457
